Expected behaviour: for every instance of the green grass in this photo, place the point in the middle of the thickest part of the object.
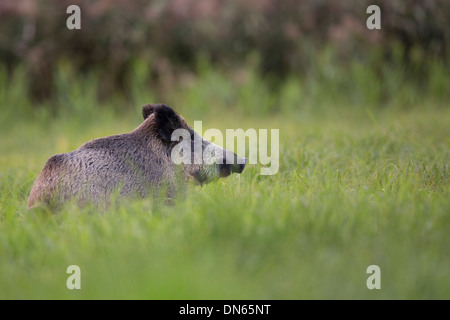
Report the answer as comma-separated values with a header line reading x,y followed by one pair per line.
x,y
358,185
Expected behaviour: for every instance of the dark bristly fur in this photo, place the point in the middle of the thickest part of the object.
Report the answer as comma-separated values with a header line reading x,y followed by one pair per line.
x,y
133,164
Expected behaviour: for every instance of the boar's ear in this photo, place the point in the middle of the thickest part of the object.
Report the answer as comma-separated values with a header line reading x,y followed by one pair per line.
x,y
147,110
166,120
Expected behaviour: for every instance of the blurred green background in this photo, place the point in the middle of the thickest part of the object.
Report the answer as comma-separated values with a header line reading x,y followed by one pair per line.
x,y
364,123
312,52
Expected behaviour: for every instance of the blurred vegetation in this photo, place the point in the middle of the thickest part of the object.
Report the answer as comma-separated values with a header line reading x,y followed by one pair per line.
x,y
269,54
352,191
364,147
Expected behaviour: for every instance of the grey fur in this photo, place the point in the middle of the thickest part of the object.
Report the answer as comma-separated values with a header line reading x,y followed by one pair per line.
x,y
131,164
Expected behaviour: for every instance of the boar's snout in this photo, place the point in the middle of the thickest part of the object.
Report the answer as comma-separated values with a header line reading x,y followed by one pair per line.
x,y
239,166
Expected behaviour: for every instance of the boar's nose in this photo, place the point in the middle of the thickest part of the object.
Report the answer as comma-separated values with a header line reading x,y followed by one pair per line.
x,y
239,167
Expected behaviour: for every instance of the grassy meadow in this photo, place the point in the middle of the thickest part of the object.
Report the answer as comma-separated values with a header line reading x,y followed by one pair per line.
x,y
363,180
